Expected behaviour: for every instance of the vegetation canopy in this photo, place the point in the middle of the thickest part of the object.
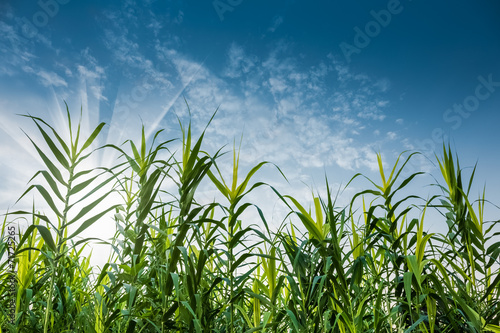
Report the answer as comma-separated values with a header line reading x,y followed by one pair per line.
x,y
181,266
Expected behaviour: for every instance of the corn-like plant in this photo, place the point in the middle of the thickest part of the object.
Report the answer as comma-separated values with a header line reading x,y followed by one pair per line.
x,y
180,266
58,194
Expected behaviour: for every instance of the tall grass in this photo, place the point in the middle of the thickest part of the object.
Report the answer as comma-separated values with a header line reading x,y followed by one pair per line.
x,y
181,266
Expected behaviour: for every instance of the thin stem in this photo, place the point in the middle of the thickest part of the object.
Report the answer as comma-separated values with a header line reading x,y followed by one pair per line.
x,y
58,251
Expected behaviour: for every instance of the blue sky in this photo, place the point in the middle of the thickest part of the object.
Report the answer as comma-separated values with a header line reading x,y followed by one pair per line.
x,y
314,87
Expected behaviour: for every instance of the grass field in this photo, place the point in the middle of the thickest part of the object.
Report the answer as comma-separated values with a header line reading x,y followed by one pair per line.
x,y
179,266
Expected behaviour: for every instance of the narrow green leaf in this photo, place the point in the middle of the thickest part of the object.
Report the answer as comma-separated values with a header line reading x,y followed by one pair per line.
x,y
57,153
91,221
52,168
45,195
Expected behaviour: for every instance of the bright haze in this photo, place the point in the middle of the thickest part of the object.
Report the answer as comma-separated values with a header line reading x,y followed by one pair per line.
x,y
319,88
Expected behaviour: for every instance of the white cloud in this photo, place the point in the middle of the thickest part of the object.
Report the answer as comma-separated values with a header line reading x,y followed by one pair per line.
x,y
155,25
51,79
15,52
17,56
47,79
277,85
277,21
92,75
238,62
294,120
300,117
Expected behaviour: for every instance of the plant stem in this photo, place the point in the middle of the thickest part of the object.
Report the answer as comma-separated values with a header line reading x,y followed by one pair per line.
x,y
56,255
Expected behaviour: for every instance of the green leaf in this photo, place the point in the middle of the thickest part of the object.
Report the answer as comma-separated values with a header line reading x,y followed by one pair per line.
x,y
91,221
407,277
57,153
44,232
51,182
52,168
88,208
415,324
243,185
92,137
45,195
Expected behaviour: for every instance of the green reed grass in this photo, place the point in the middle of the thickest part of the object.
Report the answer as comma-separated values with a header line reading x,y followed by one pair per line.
x,y
180,266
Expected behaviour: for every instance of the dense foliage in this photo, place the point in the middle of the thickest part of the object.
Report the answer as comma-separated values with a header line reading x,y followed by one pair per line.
x,y
180,266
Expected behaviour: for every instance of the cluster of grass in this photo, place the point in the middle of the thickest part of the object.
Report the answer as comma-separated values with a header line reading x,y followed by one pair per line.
x,y
180,266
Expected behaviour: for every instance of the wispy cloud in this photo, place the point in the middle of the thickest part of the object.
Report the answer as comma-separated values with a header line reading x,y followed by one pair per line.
x,y
14,51
308,113
277,21
48,79
238,62
290,108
